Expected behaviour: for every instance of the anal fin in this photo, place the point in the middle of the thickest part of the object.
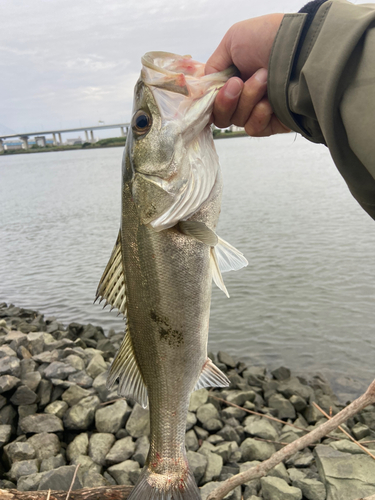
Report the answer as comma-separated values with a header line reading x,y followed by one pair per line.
x,y
211,376
125,368
111,287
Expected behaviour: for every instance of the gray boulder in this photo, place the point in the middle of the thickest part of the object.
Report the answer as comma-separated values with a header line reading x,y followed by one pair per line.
x,y
113,417
5,433
240,397
274,488
262,428
30,482
198,464
32,381
58,370
74,395
81,415
81,378
214,464
253,486
191,441
120,472
197,399
79,446
92,479
24,396
10,365
45,445
344,475
312,489
99,445
8,382
226,358
141,450
57,408
138,423
18,451
281,373
51,463
207,412
60,479
41,422
23,468
96,366
284,408
256,450
86,464
209,487
122,450
75,361
191,420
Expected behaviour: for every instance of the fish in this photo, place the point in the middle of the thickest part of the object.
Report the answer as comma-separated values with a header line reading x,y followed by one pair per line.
x,y
167,254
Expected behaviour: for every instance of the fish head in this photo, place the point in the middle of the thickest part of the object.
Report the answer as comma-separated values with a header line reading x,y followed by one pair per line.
x,y
170,161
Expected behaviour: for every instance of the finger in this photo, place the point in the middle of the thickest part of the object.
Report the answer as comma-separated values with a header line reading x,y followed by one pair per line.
x,y
226,102
263,122
253,91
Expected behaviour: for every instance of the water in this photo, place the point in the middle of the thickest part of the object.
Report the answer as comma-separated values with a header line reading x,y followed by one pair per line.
x,y
306,300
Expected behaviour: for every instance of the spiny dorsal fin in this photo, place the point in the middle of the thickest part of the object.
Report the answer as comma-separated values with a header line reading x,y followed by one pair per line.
x,y
211,376
112,284
125,368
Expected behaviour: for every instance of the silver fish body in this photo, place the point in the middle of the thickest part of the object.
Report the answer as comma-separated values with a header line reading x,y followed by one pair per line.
x,y
161,270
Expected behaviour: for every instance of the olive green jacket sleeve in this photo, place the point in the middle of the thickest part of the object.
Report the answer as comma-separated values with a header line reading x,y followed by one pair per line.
x,y
321,84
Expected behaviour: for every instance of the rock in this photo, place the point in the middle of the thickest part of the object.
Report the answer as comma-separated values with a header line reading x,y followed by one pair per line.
x,y
10,365
207,412
253,486
202,434
40,422
5,433
226,358
197,399
215,439
213,425
191,441
303,458
25,410
113,417
23,396
3,402
46,356
75,361
6,351
274,488
81,378
346,446
60,479
29,483
74,395
45,445
92,479
262,428
23,468
59,370
213,467
86,464
51,463
44,392
256,450
32,380
57,408
225,450
8,382
19,451
35,342
141,450
293,387
81,415
240,397
311,488
281,373
198,464
96,366
360,431
7,415
298,403
120,472
79,446
138,423
191,420
99,445
232,412
209,487
122,450
284,408
345,476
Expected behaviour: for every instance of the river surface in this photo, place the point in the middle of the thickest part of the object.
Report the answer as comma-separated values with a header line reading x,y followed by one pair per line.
x,y
306,300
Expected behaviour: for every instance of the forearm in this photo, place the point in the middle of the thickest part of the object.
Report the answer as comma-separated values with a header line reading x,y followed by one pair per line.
x,y
321,83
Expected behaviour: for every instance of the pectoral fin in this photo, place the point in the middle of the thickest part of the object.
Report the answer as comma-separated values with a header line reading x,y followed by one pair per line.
x,y
224,257
211,376
125,368
111,287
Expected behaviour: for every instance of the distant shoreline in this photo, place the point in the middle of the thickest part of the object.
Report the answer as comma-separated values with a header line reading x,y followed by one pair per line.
x,y
103,143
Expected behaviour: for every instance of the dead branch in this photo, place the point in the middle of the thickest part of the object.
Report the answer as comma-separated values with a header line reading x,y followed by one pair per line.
x,y
299,444
99,493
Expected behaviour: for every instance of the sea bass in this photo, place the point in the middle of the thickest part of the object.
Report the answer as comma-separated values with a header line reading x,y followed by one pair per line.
x,y
166,255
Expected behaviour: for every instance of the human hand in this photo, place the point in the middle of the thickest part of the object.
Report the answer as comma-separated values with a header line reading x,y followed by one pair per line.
x,y
243,101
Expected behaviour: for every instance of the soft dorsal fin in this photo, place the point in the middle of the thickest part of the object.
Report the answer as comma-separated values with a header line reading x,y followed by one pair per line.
x,y
125,368
224,257
111,287
211,376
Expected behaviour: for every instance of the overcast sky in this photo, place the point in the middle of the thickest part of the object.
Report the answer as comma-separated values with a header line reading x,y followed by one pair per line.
x,y
69,63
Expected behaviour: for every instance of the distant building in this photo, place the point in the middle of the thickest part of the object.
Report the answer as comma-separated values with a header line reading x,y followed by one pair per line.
x,y
17,144
234,128
74,142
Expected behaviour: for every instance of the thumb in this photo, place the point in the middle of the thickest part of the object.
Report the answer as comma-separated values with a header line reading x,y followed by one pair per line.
x,y
220,59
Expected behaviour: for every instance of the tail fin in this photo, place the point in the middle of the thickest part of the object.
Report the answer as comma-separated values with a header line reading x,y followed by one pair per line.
x,y
152,486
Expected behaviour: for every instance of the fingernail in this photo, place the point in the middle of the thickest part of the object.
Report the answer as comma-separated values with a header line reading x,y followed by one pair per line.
x,y
261,75
233,88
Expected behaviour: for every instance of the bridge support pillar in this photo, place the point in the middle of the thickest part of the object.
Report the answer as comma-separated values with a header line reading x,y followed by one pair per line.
x,y
92,136
1,146
54,139
60,140
123,131
87,136
24,139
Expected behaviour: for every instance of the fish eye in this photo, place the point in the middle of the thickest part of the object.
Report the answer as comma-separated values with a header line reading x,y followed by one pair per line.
x,y
141,122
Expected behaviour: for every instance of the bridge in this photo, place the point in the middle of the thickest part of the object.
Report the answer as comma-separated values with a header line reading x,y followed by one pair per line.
x,y
57,133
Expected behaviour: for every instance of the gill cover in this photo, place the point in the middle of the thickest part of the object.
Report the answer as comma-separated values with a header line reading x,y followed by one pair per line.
x,y
174,162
